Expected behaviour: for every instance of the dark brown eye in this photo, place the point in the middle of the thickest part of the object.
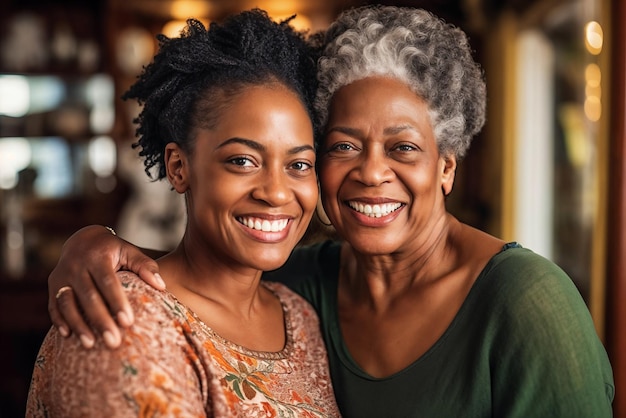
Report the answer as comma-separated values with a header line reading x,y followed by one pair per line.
x,y
301,166
342,147
405,148
241,161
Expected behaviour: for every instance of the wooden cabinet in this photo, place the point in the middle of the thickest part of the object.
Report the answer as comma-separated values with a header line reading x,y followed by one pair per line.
x,y
57,113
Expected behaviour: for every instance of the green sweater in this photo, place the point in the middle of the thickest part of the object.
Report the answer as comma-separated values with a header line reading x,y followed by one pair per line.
x,y
523,344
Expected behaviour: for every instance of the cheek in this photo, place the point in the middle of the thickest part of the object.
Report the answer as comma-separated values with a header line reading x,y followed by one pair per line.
x,y
307,195
218,191
329,189
421,182
328,177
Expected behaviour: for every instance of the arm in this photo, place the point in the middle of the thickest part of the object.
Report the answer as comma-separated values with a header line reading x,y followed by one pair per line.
x,y
88,262
155,372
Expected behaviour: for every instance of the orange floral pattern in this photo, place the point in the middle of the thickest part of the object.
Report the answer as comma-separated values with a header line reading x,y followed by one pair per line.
x,y
171,364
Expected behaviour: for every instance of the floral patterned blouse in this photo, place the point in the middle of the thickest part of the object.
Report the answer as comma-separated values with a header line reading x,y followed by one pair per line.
x,y
171,364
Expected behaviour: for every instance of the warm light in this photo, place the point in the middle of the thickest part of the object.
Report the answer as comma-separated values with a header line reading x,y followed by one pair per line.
x,y
299,23
574,131
593,37
281,7
593,75
593,108
134,49
173,28
595,91
185,9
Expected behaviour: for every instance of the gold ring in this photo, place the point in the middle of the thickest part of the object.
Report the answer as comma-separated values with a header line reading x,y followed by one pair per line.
x,y
62,290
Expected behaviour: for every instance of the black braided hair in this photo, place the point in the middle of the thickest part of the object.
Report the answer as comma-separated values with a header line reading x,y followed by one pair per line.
x,y
192,77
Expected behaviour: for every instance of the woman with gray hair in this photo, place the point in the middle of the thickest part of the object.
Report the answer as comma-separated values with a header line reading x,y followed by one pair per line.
x,y
422,315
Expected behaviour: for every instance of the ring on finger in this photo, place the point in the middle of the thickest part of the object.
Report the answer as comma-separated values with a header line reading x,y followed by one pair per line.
x,y
62,290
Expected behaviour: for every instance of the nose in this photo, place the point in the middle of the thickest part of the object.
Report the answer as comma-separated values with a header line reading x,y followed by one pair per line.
x,y
273,188
374,169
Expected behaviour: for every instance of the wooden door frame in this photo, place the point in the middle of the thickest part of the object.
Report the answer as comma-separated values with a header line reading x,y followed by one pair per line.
x,y
616,248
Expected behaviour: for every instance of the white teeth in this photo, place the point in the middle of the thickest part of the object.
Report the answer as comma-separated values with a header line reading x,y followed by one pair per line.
x,y
264,225
375,211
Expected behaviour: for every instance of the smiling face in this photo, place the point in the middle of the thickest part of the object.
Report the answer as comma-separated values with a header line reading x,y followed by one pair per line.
x,y
382,178
250,181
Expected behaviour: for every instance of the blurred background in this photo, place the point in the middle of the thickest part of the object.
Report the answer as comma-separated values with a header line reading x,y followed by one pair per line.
x,y
547,170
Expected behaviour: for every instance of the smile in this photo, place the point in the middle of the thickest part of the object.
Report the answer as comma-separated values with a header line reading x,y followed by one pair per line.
x,y
264,224
375,211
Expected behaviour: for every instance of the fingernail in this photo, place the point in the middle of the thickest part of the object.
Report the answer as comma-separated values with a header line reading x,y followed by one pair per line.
x,y
110,339
123,319
63,331
159,279
86,341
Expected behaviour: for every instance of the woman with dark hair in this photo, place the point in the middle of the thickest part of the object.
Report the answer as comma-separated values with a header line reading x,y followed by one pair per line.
x,y
422,315
226,119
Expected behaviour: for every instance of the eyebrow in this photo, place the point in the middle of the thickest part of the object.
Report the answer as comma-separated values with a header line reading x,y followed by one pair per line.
x,y
393,130
260,147
397,129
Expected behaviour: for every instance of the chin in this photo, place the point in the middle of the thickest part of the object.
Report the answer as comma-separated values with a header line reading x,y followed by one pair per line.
x,y
269,261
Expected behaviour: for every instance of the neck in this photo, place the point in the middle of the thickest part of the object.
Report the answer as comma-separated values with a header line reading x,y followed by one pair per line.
x,y
193,271
226,295
380,280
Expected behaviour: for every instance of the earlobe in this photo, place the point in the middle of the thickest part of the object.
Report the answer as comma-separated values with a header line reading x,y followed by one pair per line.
x,y
176,166
448,173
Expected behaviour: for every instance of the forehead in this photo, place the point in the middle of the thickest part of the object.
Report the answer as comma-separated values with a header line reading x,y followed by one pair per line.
x,y
378,103
264,113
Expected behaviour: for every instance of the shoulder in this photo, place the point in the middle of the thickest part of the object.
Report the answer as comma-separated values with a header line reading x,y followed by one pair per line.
x,y
520,291
133,284
521,271
515,256
523,292
139,292
153,308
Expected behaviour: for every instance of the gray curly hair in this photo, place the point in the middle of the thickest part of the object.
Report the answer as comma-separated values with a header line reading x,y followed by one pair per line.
x,y
416,47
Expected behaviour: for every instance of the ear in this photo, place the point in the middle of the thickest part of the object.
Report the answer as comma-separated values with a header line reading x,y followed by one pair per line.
x,y
448,172
176,167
